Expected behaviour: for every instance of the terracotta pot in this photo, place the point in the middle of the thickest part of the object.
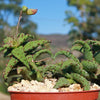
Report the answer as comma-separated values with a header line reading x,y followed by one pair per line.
x,y
83,95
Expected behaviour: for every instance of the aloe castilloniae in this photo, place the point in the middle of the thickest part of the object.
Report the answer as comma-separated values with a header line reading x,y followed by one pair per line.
x,y
24,53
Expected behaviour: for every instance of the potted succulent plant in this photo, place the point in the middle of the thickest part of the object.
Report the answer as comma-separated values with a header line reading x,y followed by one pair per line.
x,y
33,78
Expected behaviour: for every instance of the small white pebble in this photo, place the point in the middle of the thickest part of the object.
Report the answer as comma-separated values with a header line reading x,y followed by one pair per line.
x,y
25,83
94,87
54,90
75,87
64,90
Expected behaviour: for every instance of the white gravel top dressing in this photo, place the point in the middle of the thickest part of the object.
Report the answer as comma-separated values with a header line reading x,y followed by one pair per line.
x,y
46,86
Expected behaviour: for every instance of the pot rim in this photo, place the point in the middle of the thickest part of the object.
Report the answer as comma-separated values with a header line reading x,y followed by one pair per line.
x,y
71,92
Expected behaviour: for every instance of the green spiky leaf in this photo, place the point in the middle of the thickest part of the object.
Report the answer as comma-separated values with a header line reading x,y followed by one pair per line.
x,y
37,54
67,54
83,81
90,66
31,62
1,49
63,82
20,55
22,38
24,72
12,62
88,55
34,44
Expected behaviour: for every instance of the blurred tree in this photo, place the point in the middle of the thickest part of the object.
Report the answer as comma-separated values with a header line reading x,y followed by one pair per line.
x,y
86,20
10,9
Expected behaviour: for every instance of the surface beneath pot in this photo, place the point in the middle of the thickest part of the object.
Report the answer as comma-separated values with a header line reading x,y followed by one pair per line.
x,y
4,97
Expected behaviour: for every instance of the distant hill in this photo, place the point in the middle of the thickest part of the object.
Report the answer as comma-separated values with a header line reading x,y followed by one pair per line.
x,y
58,41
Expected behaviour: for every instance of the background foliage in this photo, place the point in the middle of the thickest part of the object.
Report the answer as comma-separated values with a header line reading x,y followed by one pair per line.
x,y
86,21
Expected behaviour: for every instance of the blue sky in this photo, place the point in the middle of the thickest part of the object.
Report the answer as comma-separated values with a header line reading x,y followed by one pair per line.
x,y
50,16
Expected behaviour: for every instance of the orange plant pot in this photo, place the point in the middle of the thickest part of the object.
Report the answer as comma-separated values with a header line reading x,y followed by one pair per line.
x,y
83,95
